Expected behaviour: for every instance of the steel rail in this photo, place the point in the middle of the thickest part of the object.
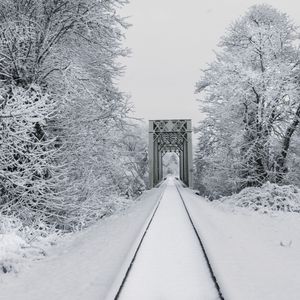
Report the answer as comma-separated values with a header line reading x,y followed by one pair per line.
x,y
212,274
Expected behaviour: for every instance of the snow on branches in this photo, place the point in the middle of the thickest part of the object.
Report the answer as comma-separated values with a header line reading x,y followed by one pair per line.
x,y
269,198
251,96
62,116
26,152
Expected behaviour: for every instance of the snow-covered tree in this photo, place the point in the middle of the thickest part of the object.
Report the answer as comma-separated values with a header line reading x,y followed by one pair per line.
x,y
134,159
250,94
27,154
62,116
171,164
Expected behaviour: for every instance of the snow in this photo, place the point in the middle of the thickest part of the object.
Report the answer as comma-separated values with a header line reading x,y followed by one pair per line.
x,y
20,244
11,246
266,199
170,263
254,256
85,265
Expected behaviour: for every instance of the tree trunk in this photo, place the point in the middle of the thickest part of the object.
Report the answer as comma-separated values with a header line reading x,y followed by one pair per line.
x,y
280,165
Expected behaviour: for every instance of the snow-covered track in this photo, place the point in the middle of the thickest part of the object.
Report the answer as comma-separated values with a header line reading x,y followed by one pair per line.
x,y
213,276
197,267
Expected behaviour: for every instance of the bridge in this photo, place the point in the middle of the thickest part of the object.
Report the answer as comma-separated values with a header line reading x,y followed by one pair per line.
x,y
170,136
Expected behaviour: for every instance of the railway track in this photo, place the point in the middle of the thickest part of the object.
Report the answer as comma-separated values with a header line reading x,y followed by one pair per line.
x,y
211,276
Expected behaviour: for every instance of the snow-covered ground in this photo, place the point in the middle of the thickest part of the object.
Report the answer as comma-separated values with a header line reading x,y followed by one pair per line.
x,y
85,265
255,256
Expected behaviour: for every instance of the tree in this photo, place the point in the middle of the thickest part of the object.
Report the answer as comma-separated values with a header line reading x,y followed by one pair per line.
x,y
171,164
251,97
27,155
133,147
60,108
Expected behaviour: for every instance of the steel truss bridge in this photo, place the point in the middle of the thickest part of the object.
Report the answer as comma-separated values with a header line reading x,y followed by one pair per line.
x,y
170,136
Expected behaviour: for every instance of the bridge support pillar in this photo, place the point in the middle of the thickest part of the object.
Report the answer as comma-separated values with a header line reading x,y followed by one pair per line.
x,y
151,157
189,151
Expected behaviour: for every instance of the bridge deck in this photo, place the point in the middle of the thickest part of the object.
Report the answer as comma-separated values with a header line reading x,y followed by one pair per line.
x,y
170,263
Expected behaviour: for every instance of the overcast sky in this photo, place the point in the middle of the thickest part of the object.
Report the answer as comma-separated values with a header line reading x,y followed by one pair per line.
x,y
171,41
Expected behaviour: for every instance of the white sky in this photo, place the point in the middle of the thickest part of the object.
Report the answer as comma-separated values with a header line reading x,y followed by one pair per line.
x,y
171,41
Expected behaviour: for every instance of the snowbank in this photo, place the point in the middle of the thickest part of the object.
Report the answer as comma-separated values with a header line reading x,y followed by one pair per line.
x,y
268,198
255,256
11,246
19,244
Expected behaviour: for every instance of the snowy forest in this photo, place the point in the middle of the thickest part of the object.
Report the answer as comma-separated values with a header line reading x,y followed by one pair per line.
x,y
75,177
69,154
250,95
